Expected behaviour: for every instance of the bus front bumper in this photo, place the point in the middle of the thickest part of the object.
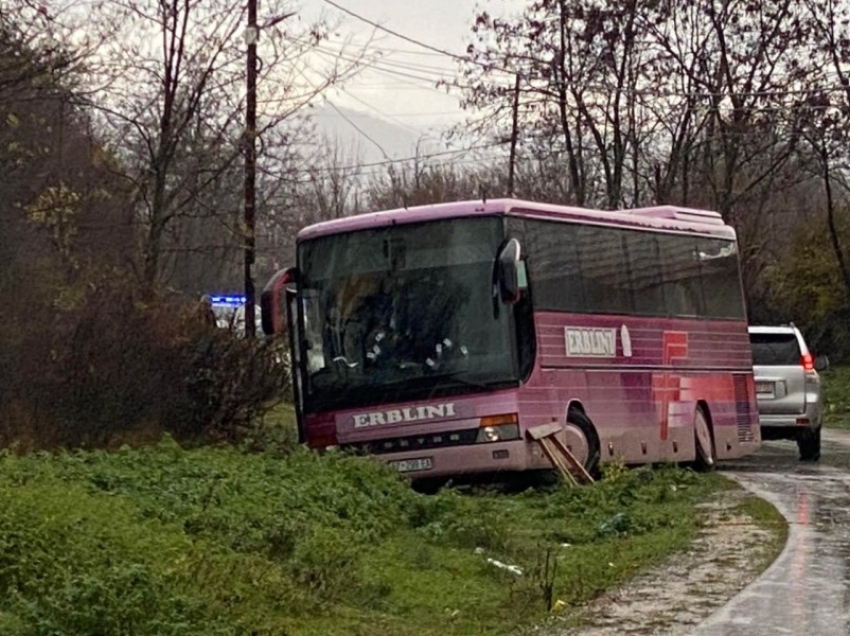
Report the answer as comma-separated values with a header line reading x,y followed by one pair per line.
x,y
492,457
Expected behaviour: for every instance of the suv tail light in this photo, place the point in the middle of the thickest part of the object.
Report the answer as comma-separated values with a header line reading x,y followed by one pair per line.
x,y
808,362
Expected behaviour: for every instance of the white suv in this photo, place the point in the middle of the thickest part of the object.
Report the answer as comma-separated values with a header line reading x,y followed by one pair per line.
x,y
788,388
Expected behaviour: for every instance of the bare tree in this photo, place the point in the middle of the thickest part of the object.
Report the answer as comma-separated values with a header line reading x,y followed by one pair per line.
x,y
827,118
582,67
34,45
168,82
317,187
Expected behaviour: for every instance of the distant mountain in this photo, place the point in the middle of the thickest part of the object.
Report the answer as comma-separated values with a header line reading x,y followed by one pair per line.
x,y
371,139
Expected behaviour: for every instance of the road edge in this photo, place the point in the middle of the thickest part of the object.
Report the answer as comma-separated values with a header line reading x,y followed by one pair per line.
x,y
690,587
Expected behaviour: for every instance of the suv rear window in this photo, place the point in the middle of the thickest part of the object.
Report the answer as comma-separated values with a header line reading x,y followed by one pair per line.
x,y
775,349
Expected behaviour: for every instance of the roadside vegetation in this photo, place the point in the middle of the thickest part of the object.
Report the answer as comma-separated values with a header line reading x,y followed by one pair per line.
x,y
163,540
836,396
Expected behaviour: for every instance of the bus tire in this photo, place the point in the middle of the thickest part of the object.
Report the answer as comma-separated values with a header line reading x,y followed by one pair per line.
x,y
706,458
576,419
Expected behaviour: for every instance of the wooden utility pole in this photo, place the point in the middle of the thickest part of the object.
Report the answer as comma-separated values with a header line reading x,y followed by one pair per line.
x,y
514,136
252,34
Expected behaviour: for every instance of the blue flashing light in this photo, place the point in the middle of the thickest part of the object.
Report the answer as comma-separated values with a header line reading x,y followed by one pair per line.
x,y
227,301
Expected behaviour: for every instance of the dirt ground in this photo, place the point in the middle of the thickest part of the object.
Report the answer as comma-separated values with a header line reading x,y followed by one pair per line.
x,y
730,552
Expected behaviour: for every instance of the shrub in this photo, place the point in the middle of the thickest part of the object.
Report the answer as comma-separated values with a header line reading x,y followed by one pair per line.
x,y
109,365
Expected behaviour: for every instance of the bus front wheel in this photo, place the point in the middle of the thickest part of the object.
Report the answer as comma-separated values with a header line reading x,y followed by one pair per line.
x,y
704,441
582,436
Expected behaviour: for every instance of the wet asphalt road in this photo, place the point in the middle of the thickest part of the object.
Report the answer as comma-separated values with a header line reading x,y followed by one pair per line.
x,y
807,589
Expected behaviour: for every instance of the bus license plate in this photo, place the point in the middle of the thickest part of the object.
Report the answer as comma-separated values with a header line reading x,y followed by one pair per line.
x,y
409,465
764,388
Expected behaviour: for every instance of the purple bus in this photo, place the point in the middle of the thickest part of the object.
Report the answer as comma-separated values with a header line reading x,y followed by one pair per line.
x,y
436,337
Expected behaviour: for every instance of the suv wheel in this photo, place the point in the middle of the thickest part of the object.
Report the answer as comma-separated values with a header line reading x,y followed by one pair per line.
x,y
808,442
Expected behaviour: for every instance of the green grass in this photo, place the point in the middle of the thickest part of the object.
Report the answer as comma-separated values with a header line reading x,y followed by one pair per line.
x,y
166,541
836,396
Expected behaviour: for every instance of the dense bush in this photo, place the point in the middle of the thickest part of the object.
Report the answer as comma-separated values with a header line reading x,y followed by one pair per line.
x,y
105,364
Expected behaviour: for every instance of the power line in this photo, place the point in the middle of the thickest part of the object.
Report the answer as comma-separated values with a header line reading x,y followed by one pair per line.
x,y
372,172
423,68
379,111
437,71
396,34
722,94
388,161
396,86
374,66
388,49
358,129
435,113
352,124
600,87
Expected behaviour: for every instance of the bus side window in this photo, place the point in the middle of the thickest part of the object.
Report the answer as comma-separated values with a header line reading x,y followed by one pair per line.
x,y
555,272
604,270
721,278
681,282
645,273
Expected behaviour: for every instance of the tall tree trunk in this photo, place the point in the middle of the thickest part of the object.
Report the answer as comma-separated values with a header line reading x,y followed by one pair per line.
x,y
576,177
830,216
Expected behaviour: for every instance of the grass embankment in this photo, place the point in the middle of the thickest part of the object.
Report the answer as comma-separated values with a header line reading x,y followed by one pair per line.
x,y
164,541
836,396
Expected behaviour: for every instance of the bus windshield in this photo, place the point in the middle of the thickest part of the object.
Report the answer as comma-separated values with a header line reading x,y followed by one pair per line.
x,y
402,312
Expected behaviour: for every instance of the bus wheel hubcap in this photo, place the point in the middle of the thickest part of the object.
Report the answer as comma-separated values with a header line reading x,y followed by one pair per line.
x,y
577,443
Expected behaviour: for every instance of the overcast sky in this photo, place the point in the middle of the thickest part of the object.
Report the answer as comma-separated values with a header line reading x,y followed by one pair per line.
x,y
401,88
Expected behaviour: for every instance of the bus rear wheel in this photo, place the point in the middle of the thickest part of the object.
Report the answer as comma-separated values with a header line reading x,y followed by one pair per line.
x,y
583,440
706,459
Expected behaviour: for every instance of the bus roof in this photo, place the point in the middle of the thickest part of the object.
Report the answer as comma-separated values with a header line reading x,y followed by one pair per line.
x,y
661,218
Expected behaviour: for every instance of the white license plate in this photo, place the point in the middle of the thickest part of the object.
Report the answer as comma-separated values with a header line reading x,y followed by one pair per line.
x,y
408,465
763,388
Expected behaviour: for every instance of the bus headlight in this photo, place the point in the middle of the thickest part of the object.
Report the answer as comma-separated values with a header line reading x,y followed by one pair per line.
x,y
501,433
489,434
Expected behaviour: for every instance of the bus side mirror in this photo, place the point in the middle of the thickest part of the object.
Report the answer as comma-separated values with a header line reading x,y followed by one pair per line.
x,y
273,300
512,275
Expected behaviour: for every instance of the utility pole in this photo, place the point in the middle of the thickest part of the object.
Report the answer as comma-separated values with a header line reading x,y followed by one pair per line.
x,y
252,34
514,136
